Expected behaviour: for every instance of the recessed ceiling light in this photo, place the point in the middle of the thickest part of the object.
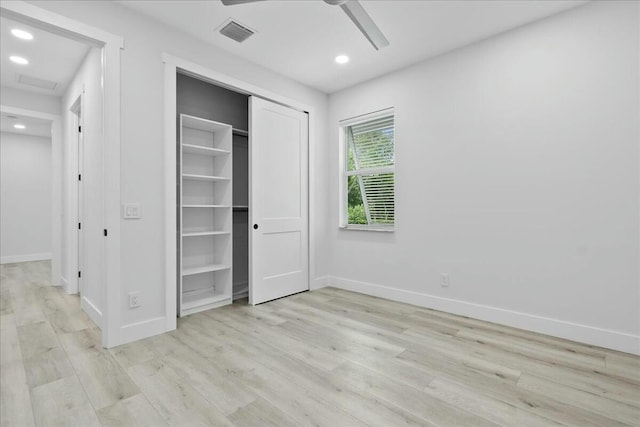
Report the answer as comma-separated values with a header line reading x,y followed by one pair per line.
x,y
19,126
22,34
342,59
19,60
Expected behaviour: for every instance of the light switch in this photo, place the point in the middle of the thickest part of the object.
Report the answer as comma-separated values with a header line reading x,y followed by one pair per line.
x,y
131,211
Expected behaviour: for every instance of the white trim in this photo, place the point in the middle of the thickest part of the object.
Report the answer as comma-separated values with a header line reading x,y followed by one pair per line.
x,y
10,259
92,311
111,45
64,283
73,205
146,328
172,65
170,159
56,180
591,335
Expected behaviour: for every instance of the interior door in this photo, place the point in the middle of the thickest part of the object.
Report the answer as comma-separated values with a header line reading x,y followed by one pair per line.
x,y
279,208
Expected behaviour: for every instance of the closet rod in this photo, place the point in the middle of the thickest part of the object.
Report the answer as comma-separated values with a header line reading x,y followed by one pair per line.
x,y
240,132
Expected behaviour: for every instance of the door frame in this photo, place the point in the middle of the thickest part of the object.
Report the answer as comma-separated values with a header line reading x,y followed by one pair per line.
x,y
74,204
173,65
111,46
56,191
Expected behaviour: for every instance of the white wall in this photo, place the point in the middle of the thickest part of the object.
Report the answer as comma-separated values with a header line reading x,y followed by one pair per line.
x,y
29,100
85,83
25,198
142,173
517,174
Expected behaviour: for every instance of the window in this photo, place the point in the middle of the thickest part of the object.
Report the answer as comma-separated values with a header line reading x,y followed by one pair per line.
x,y
368,172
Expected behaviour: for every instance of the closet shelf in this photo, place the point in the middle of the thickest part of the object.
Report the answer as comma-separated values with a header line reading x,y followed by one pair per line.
x,y
203,177
199,298
188,271
206,206
206,151
204,233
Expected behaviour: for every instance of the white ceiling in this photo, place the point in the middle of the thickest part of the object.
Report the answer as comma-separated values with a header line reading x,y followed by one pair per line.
x,y
37,127
51,57
300,38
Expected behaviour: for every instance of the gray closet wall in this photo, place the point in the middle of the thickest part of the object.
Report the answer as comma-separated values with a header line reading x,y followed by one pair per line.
x,y
208,101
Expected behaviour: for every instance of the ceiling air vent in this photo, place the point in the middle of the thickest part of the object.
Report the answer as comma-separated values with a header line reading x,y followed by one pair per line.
x,y
36,82
236,31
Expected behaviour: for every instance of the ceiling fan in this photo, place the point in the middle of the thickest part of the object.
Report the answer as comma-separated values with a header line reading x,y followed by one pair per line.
x,y
354,10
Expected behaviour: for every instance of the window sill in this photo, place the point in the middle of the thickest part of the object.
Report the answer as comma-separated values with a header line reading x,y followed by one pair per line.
x,y
368,228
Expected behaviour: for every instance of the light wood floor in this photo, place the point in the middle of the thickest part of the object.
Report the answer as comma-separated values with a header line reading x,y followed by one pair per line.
x,y
325,358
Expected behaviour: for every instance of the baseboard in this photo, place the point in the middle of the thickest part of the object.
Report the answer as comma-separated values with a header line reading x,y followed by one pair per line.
x,y
92,311
614,340
10,259
64,283
144,329
319,282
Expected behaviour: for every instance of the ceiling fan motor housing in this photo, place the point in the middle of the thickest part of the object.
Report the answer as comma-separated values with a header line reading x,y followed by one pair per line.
x,y
335,2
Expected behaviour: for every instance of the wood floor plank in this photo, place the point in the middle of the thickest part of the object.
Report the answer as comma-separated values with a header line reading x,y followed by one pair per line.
x,y
623,366
10,345
26,307
209,379
63,403
261,413
44,360
101,376
463,322
487,407
176,401
507,392
133,353
15,399
546,354
134,411
420,404
312,354
614,410
5,301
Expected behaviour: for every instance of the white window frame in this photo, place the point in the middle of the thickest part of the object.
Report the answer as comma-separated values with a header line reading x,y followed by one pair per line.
x,y
344,173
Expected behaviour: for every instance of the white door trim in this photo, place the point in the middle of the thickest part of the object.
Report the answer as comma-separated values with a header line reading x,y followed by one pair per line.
x,y
172,65
74,204
111,46
56,181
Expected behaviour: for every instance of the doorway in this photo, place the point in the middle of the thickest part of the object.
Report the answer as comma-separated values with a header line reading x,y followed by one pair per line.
x,y
31,204
100,210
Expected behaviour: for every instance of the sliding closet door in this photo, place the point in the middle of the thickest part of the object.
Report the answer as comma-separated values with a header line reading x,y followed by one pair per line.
x,y
278,209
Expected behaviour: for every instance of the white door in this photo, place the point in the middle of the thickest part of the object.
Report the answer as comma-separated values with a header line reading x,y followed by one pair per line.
x,y
279,208
92,202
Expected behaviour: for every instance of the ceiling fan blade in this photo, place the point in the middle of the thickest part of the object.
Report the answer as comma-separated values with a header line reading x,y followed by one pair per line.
x,y
233,2
363,21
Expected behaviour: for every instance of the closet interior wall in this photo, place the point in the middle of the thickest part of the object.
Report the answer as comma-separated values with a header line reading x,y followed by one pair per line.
x,y
206,100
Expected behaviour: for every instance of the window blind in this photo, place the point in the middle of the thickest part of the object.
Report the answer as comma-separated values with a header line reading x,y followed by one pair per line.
x,y
371,151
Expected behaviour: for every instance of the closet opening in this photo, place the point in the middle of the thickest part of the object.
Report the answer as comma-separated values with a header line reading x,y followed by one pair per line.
x,y
213,195
241,196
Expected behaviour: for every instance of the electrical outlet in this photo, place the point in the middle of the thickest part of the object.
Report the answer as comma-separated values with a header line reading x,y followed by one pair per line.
x,y
134,299
444,280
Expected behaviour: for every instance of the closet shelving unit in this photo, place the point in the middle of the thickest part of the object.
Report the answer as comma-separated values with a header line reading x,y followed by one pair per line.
x,y
206,209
